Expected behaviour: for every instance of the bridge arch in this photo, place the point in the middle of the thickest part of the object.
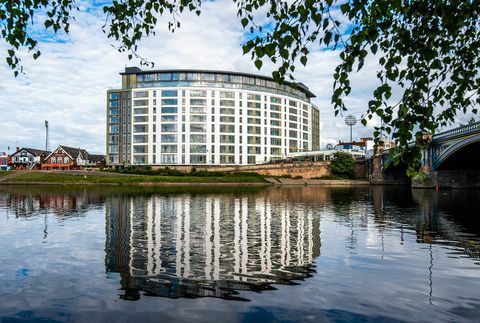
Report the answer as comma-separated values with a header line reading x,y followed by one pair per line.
x,y
467,149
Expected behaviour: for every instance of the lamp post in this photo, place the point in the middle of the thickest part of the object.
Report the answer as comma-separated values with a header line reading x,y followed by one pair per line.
x,y
350,121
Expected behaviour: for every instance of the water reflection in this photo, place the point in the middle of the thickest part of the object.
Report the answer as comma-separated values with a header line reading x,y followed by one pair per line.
x,y
191,246
364,254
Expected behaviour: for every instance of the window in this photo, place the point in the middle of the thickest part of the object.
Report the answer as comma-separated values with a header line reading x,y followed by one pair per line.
x,y
275,141
168,159
54,160
227,111
169,118
227,95
198,110
227,103
169,127
139,159
227,149
140,111
227,119
198,94
292,125
169,110
275,115
142,94
226,139
169,94
292,134
198,159
254,140
66,160
254,130
198,102
140,119
195,127
140,138
274,107
227,159
275,132
140,149
254,113
276,151
198,149
195,118
169,101
198,138
254,150
275,100
137,103
169,148
140,128
276,123
255,105
256,97
227,128
254,121
168,138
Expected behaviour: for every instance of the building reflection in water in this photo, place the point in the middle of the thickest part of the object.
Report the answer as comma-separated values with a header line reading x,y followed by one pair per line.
x,y
217,245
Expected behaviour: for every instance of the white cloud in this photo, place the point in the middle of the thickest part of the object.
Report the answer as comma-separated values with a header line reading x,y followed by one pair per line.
x,y
68,84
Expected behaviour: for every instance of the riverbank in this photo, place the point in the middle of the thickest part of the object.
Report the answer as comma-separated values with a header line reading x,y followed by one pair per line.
x,y
191,179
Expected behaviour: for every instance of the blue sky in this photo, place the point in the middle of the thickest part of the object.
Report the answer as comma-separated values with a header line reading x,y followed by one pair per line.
x,y
67,85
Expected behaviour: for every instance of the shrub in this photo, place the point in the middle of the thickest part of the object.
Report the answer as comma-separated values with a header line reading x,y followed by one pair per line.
x,y
343,165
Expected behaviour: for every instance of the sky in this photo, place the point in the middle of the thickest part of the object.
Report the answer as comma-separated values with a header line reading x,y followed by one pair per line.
x,y
67,85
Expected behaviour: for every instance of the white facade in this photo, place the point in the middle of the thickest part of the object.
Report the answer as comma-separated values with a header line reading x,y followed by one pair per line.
x,y
202,125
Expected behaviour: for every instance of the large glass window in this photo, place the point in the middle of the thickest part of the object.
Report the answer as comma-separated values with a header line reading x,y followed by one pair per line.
x,y
227,128
201,94
169,101
143,149
140,111
195,127
198,149
227,159
169,127
254,113
137,103
140,94
275,141
195,118
198,102
226,139
275,132
254,105
169,148
168,159
254,150
169,110
169,94
140,118
227,95
227,119
198,159
198,110
227,111
140,128
227,103
142,159
140,138
169,118
256,97
227,149
254,130
169,138
254,140
254,120
198,138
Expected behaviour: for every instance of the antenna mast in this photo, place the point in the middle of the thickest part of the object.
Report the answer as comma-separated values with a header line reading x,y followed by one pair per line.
x,y
46,135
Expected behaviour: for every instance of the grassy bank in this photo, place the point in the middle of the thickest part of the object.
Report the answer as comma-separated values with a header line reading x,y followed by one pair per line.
x,y
40,177
3,173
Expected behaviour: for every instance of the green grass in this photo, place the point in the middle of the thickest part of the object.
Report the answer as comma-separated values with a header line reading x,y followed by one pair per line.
x,y
39,177
3,173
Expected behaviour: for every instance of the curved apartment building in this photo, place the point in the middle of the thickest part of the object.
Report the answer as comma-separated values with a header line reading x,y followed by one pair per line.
x,y
196,117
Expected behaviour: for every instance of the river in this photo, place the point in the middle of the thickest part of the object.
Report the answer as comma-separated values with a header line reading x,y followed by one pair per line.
x,y
224,254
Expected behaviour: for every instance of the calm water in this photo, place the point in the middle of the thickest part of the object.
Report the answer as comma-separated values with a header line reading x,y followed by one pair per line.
x,y
229,255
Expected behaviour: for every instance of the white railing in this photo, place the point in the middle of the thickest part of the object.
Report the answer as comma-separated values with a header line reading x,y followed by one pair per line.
x,y
460,130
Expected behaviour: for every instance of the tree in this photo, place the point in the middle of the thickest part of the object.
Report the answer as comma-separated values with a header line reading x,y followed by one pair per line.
x,y
426,49
343,165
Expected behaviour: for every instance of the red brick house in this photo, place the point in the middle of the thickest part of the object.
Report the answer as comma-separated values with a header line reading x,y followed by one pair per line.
x,y
5,160
68,158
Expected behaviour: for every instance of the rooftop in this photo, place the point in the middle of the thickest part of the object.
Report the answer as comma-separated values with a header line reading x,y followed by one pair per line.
x,y
298,85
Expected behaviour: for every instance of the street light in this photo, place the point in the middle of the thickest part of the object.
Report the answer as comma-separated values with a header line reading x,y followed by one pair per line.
x,y
350,121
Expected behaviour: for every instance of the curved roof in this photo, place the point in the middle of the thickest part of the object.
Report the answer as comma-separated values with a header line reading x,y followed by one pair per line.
x,y
135,70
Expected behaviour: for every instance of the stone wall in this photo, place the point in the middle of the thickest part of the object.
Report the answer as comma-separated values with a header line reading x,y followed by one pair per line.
x,y
449,179
306,170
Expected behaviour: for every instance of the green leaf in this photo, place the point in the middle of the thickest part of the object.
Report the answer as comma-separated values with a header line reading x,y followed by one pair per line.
x,y
258,64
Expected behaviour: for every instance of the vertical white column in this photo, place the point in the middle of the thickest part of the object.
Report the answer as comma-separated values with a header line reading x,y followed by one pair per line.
x,y
216,238
186,228
208,239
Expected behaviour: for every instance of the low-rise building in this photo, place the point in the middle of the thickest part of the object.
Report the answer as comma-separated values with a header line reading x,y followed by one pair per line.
x,y
28,158
4,160
69,158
